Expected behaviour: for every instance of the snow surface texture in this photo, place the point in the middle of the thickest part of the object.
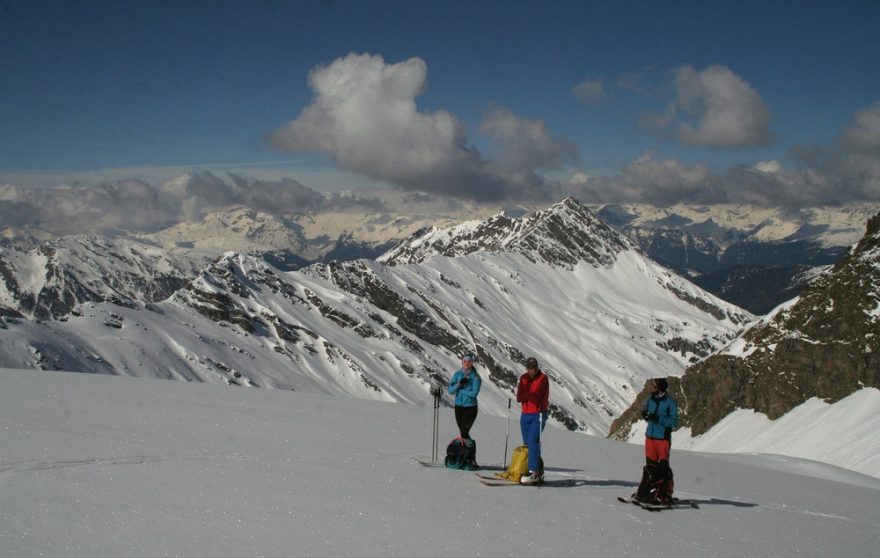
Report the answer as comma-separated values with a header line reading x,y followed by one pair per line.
x,y
845,433
106,466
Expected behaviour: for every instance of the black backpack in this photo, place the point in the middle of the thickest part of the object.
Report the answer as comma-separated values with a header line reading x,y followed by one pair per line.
x,y
656,485
461,453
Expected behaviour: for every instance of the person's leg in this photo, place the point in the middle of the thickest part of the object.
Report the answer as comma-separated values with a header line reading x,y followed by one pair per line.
x,y
663,449
654,451
532,438
468,417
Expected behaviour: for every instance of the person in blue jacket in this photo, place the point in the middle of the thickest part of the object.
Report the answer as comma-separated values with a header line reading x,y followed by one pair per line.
x,y
661,412
465,386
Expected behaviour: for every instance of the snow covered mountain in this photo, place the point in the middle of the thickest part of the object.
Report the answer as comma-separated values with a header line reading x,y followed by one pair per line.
x,y
558,284
48,281
751,256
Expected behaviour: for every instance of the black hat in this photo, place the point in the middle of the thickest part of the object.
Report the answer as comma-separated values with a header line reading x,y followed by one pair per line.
x,y
661,383
532,362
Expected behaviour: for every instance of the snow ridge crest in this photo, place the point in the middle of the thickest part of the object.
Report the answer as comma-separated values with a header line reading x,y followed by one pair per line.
x,y
563,235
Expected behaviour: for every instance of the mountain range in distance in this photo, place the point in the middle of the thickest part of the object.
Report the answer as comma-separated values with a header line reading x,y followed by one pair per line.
x,y
751,256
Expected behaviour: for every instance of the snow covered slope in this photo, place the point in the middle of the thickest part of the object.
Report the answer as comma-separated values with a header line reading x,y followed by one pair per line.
x,y
102,466
845,433
48,281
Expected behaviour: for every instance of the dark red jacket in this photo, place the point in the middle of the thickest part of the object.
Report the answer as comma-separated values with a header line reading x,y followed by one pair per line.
x,y
533,394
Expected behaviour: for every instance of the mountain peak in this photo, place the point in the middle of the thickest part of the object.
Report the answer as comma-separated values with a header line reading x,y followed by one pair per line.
x,y
563,235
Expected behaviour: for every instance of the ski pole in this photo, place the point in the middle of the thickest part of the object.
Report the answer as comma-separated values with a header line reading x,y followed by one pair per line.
x,y
436,438
507,436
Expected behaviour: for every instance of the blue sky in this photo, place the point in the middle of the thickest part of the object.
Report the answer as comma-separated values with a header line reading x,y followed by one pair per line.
x,y
640,101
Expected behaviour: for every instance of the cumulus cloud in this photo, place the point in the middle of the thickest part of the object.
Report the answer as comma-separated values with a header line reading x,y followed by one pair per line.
x,y
714,108
646,180
364,115
848,169
524,144
864,137
589,91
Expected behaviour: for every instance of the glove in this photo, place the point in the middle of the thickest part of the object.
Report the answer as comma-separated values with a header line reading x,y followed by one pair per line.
x,y
652,417
463,382
645,414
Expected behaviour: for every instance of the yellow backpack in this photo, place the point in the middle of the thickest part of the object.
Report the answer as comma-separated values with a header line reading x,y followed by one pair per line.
x,y
519,465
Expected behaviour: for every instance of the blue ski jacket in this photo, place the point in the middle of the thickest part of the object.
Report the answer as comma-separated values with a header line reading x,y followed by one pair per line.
x,y
667,417
465,396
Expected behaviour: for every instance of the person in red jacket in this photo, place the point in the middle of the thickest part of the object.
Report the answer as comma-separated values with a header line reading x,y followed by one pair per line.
x,y
533,391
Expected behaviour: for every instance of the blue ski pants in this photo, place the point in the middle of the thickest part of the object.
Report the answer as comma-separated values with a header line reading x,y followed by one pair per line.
x,y
531,425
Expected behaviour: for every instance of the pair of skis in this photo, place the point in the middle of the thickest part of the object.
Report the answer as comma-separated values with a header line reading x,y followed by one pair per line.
x,y
485,479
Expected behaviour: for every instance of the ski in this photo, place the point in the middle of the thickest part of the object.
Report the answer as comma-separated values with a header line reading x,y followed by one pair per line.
x,y
492,477
494,481
676,503
440,465
500,482
428,463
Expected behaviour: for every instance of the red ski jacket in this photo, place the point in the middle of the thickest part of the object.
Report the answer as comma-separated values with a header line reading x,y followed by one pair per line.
x,y
533,394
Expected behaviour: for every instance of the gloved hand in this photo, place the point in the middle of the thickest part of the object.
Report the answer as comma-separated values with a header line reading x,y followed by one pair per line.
x,y
645,414
651,417
463,382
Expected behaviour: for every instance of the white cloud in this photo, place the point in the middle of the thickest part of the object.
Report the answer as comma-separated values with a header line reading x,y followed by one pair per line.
x,y
864,137
849,169
769,167
647,180
364,115
715,108
589,91
525,144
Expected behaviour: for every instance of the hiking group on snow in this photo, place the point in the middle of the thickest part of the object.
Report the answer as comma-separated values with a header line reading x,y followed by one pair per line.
x,y
660,411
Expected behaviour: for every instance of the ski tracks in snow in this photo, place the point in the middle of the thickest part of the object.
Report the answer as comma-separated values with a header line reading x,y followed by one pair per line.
x,y
52,465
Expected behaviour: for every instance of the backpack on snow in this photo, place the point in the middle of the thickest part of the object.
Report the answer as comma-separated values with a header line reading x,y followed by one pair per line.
x,y
519,465
656,485
461,453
